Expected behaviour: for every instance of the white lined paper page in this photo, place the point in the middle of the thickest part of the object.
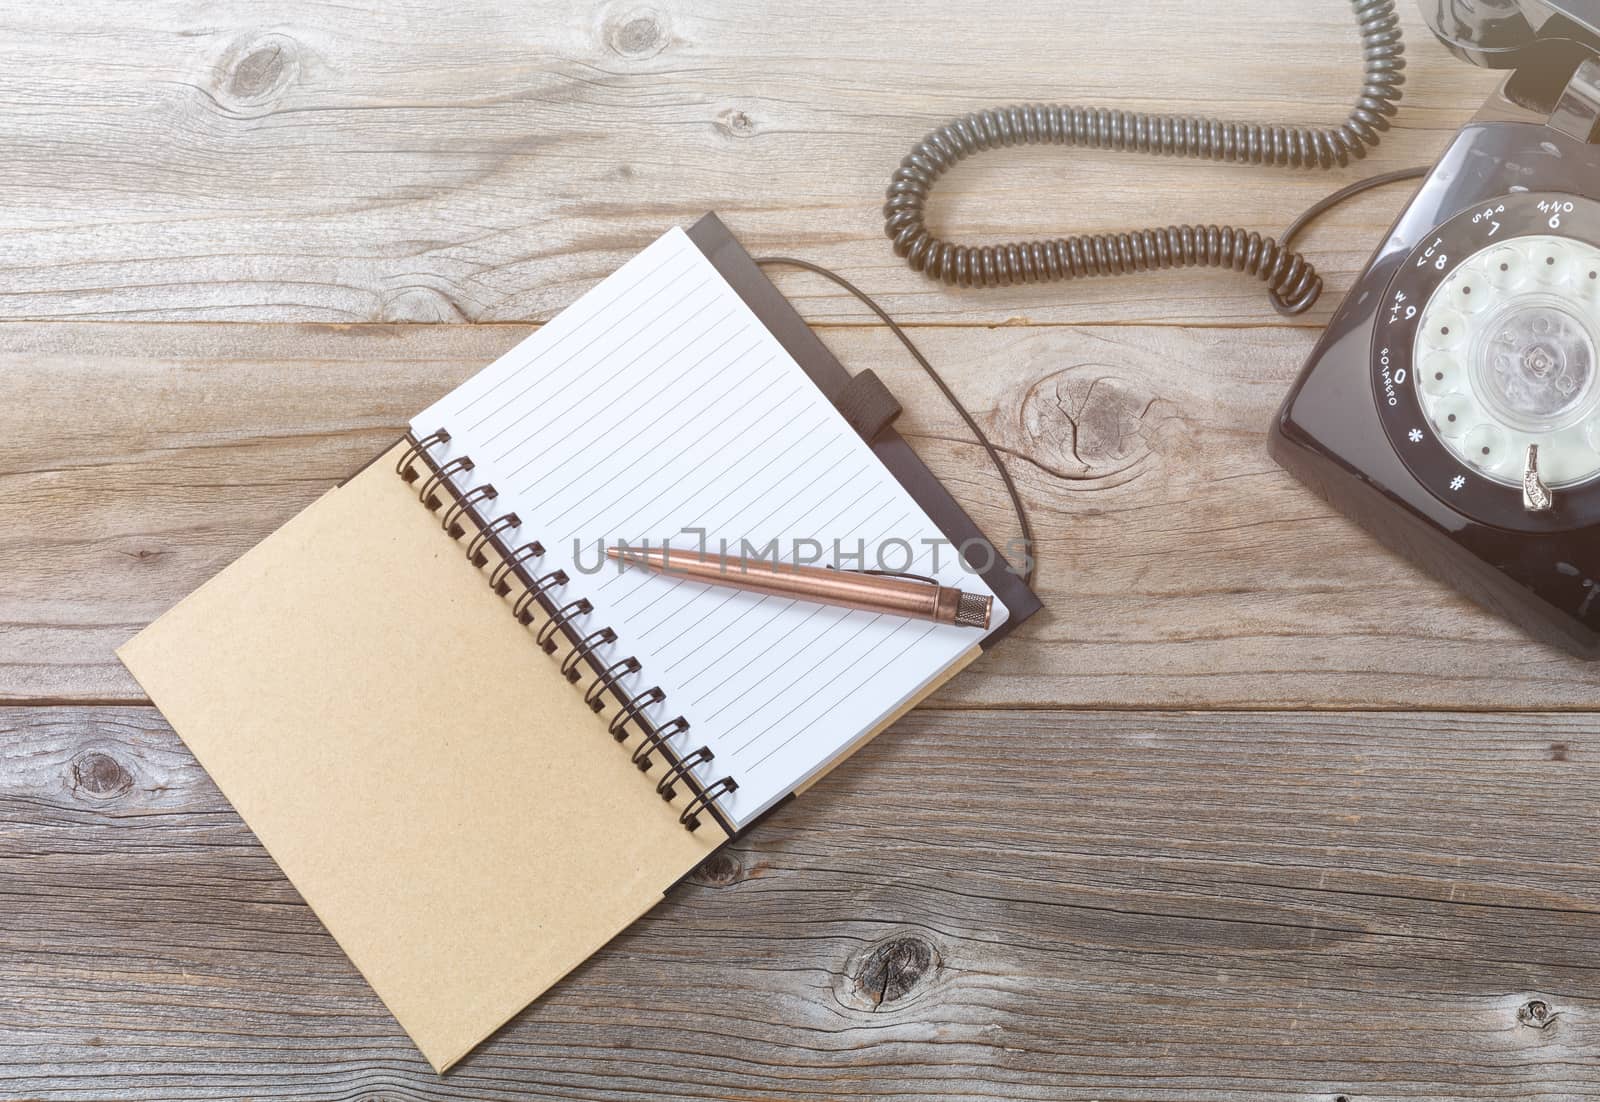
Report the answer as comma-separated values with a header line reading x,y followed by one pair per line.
x,y
658,403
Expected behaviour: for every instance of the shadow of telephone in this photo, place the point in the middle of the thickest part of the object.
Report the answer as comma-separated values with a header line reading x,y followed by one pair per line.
x,y
1452,406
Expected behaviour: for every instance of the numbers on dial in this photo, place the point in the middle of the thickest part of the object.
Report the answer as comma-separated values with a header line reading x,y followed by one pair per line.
x,y
1400,309
1432,256
1487,216
1555,208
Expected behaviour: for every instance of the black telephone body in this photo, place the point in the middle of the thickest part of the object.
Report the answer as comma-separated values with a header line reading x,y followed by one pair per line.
x,y
1453,405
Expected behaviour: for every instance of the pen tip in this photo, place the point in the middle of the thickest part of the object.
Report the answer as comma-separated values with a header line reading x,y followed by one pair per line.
x,y
613,553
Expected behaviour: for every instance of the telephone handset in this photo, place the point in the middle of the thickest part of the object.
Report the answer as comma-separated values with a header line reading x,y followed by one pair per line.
x,y
1452,406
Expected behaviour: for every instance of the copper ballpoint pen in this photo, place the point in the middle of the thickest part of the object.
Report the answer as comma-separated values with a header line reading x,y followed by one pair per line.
x,y
882,591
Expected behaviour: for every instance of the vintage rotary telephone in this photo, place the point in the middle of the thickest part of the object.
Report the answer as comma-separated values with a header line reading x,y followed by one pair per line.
x,y
1452,406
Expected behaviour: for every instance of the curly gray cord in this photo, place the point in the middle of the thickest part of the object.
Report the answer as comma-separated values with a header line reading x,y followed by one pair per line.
x,y
1292,283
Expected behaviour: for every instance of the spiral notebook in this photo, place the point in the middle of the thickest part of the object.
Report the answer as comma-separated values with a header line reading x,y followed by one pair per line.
x,y
478,748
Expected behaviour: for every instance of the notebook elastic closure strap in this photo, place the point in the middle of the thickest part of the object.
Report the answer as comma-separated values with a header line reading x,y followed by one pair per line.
x,y
867,404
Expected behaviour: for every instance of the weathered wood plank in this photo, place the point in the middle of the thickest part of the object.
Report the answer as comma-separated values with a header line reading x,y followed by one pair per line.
x,y
330,162
1179,566
1007,905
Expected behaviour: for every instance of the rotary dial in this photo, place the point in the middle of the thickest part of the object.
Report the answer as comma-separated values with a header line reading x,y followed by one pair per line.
x,y
1486,370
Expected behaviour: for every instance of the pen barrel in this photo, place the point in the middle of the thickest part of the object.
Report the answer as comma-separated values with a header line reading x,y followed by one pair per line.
x,y
869,592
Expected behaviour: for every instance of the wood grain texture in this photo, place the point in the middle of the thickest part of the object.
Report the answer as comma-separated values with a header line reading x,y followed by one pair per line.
x,y
348,162
1215,906
1179,566
1013,896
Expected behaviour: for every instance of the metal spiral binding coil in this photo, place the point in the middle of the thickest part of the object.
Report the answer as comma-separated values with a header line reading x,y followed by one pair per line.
x,y
550,630
414,452
651,741
631,711
665,786
702,801
559,624
468,500
1292,283
594,694
582,649
429,494
475,549
529,599
500,577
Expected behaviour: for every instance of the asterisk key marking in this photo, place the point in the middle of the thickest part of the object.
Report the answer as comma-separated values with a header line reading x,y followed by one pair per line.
x,y
1415,436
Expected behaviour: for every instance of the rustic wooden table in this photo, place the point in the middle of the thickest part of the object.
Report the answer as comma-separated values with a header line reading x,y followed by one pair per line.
x,y
1253,811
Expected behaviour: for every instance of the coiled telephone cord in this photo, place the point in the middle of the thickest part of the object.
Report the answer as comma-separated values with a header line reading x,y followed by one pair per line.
x,y
1292,283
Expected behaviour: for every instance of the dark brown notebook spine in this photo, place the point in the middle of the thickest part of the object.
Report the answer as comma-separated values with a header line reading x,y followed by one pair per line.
x,y
563,626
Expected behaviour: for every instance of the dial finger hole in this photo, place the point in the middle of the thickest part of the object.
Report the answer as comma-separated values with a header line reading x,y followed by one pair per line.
x,y
1486,446
1585,279
1469,293
1506,268
1445,329
1441,373
1552,261
1453,415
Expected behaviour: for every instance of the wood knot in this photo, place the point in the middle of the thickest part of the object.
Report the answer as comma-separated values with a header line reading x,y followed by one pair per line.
x,y
893,969
638,34
720,870
258,71
1535,1014
419,304
100,776
1089,424
736,123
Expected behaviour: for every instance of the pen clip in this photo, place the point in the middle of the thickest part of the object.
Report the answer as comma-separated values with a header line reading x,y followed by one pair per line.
x,y
892,574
